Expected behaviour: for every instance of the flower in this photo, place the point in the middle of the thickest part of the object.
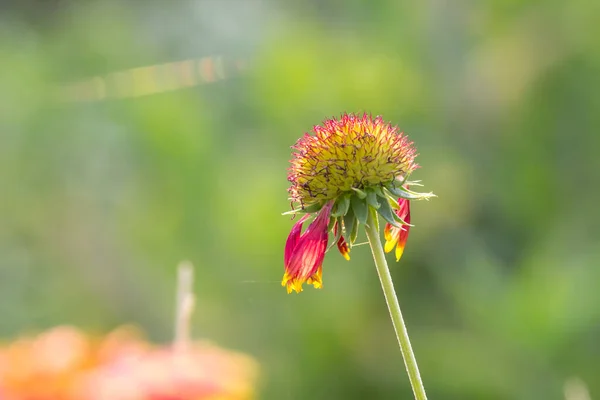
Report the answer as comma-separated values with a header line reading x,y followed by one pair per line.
x,y
395,236
44,367
202,371
350,167
66,364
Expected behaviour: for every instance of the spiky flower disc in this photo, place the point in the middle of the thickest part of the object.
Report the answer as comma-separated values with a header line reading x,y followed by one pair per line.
x,y
353,152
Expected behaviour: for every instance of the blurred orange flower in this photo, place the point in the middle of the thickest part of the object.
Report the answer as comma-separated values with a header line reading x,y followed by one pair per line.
x,y
65,364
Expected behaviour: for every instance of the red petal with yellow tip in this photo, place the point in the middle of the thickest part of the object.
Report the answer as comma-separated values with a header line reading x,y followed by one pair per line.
x,y
343,247
305,252
397,236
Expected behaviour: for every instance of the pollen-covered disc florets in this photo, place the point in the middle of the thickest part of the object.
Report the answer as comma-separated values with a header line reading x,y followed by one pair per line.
x,y
353,152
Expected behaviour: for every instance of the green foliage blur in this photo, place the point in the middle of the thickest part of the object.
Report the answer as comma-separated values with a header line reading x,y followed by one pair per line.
x,y
499,283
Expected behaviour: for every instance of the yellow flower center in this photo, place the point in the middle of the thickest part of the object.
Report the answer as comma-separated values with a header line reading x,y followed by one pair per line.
x,y
350,152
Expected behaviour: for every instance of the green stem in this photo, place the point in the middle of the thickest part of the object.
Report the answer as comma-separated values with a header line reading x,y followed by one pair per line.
x,y
394,307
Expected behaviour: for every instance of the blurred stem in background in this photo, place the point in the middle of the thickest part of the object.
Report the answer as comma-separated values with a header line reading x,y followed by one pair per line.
x,y
184,305
392,301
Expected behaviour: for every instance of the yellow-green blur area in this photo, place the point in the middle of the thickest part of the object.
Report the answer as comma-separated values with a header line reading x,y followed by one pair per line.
x,y
102,195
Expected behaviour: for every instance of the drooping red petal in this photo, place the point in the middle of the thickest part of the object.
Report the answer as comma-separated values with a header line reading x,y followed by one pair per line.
x,y
304,260
404,211
390,234
292,239
342,245
397,236
403,233
343,248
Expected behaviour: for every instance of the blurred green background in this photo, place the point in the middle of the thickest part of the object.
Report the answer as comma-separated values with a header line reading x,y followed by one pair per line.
x,y
499,284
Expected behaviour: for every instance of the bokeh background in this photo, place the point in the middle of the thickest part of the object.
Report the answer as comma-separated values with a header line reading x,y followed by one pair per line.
x,y
106,188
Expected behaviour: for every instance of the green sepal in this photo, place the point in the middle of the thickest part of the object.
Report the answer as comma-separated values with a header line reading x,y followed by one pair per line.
x,y
392,200
379,191
294,212
360,209
360,193
341,206
331,224
413,183
338,234
382,192
401,221
409,194
305,210
340,231
372,200
349,222
354,231
388,214
400,192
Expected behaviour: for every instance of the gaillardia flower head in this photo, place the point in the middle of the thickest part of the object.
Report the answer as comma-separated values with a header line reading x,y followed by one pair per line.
x,y
350,167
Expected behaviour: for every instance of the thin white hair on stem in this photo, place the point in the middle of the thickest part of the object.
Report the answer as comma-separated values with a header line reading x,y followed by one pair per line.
x,y
576,389
184,306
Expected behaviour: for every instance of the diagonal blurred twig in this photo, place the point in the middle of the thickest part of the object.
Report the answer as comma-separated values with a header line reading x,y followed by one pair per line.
x,y
153,79
184,304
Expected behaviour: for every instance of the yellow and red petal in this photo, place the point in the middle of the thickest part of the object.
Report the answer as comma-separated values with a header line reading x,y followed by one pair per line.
x,y
391,237
316,279
398,236
402,237
305,252
292,239
292,284
404,209
387,232
343,247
